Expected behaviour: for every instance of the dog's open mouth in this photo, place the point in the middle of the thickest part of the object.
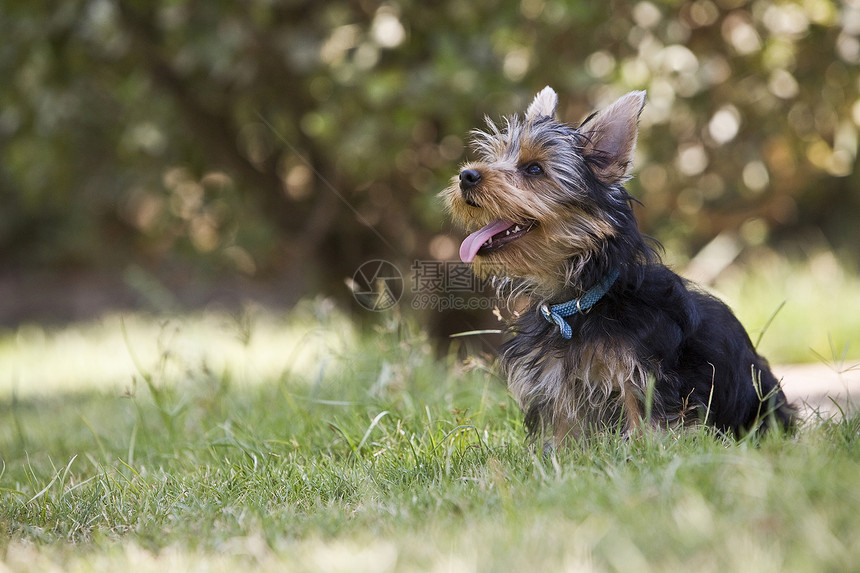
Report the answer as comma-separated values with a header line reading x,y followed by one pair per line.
x,y
494,236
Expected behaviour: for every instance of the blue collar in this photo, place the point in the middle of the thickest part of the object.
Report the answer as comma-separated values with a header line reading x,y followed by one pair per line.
x,y
557,312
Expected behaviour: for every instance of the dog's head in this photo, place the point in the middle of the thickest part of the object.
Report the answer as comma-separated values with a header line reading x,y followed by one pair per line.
x,y
543,197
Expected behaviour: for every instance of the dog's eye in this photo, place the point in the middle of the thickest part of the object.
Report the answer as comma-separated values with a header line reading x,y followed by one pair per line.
x,y
533,169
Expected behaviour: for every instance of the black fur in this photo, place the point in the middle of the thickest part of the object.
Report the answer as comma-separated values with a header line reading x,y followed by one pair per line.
x,y
704,365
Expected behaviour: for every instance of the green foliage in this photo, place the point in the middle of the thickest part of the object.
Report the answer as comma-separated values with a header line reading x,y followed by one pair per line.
x,y
235,135
374,454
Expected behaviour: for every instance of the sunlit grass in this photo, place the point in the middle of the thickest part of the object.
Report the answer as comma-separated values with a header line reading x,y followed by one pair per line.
x,y
817,306
301,441
108,353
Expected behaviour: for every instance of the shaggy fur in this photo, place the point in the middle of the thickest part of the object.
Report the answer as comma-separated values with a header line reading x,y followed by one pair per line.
x,y
653,334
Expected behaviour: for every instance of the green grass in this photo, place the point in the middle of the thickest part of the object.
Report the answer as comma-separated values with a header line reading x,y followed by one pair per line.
x,y
304,443
811,310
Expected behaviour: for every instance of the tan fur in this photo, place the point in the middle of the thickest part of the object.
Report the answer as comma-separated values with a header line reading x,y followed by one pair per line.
x,y
613,132
632,407
543,105
606,381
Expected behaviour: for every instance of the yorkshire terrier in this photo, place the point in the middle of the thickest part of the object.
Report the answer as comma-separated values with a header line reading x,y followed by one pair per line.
x,y
611,338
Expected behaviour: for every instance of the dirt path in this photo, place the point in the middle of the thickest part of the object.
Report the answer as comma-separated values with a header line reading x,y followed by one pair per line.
x,y
818,387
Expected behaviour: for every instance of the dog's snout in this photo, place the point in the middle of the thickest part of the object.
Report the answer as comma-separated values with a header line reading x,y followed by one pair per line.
x,y
469,178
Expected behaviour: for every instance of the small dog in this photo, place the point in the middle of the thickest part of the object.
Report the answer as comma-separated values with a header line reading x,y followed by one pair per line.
x,y
611,337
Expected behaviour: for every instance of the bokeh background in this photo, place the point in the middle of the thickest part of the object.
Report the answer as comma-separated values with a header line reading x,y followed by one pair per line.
x,y
179,153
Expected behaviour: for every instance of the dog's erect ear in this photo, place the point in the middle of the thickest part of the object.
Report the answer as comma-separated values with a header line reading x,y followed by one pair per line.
x,y
612,137
543,105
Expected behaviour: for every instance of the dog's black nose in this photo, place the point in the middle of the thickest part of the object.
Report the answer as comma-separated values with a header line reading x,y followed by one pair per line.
x,y
469,178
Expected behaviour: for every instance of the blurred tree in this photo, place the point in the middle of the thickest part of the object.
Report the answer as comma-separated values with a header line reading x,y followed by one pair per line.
x,y
301,138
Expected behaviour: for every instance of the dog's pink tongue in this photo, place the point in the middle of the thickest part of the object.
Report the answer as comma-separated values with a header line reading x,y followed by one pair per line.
x,y
472,244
